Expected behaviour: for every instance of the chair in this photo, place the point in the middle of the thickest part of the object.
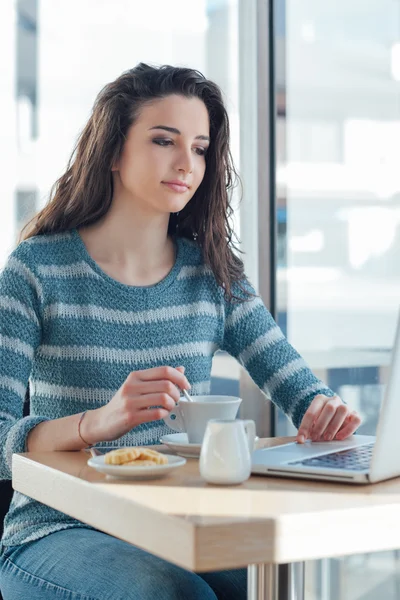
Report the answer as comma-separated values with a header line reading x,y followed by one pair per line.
x,y
6,490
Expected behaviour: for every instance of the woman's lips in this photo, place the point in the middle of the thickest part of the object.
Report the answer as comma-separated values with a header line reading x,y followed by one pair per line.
x,y
176,187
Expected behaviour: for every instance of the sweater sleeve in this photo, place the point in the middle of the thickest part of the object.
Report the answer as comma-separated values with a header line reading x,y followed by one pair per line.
x,y
252,336
20,334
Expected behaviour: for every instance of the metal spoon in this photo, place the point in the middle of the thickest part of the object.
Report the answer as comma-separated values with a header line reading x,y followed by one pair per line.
x,y
187,396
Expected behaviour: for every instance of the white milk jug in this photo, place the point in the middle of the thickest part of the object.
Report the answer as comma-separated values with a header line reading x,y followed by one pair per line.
x,y
225,456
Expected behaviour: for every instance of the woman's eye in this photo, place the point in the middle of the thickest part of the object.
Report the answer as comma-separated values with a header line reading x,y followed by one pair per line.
x,y
162,142
201,151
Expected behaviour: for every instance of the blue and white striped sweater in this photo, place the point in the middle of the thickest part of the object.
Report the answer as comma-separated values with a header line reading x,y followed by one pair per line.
x,y
74,334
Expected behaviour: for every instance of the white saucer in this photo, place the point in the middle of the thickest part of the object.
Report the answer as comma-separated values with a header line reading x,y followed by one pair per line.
x,y
178,442
129,472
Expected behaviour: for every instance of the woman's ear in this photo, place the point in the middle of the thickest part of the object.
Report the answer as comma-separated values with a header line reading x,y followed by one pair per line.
x,y
115,162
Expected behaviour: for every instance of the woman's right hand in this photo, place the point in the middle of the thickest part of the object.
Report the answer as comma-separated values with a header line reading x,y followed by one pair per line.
x,y
134,403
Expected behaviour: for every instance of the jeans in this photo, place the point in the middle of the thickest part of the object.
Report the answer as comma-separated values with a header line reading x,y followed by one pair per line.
x,y
85,564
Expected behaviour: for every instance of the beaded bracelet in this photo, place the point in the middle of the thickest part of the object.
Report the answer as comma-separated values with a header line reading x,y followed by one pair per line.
x,y
79,429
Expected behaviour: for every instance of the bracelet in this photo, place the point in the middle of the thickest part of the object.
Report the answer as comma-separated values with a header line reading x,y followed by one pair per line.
x,y
79,429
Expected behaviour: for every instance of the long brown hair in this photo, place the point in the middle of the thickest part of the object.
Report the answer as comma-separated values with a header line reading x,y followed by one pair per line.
x,y
84,193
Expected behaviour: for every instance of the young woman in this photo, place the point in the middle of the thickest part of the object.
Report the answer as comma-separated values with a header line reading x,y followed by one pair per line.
x,y
121,292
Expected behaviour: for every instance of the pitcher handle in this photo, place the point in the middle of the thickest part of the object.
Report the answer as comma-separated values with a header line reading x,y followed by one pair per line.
x,y
174,420
250,429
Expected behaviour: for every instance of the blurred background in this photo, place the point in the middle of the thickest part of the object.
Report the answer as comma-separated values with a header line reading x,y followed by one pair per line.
x,y
313,92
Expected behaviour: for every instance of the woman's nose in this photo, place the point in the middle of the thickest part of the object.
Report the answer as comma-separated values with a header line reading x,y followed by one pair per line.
x,y
185,161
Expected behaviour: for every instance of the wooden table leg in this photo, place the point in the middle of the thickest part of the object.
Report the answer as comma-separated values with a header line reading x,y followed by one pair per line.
x,y
276,582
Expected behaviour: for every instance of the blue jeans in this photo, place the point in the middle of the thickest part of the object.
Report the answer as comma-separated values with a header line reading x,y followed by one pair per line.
x,y
85,564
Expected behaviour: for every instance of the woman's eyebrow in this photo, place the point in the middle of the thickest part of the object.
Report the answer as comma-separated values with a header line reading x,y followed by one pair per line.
x,y
174,130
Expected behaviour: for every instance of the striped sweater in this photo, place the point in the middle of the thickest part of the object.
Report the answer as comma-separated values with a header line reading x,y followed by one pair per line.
x,y
73,334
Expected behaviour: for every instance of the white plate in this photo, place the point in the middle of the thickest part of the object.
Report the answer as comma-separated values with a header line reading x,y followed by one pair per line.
x,y
178,442
129,472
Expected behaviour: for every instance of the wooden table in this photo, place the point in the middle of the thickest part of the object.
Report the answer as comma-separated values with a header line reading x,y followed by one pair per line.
x,y
270,525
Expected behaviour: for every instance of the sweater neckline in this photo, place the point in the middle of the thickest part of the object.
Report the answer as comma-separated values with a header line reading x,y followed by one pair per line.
x,y
155,288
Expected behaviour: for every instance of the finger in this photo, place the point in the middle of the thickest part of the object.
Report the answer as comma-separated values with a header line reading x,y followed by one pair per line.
x,y
336,423
153,414
309,417
145,401
139,388
325,417
181,369
352,423
165,372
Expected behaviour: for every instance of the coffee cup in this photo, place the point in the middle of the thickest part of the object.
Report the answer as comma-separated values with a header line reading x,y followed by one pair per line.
x,y
192,417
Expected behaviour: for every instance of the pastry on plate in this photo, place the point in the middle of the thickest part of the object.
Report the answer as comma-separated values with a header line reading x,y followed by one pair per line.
x,y
135,455
139,463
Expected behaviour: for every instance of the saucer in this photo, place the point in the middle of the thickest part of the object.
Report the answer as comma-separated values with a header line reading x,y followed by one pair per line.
x,y
178,442
129,472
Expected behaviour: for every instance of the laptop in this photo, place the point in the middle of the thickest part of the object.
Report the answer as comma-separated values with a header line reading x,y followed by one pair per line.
x,y
359,459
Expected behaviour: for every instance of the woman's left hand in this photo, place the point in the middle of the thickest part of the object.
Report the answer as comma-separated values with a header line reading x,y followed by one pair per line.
x,y
327,419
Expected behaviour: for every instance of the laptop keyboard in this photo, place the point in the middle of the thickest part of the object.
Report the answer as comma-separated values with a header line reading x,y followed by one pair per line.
x,y
355,459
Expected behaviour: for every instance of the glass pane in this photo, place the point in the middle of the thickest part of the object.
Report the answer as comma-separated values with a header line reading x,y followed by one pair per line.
x,y
55,58
338,70
338,150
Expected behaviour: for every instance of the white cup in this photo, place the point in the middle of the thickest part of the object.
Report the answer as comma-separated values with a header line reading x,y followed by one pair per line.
x,y
193,417
225,456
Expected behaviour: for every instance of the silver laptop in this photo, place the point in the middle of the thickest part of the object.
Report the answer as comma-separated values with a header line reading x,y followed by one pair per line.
x,y
359,459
